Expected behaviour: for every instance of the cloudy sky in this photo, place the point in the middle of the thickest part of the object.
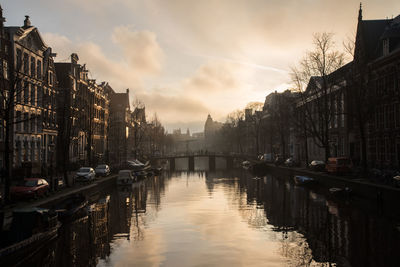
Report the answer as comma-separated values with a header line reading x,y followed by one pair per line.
x,y
188,58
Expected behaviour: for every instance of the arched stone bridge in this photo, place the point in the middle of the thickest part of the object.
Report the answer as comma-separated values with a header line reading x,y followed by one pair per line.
x,y
212,157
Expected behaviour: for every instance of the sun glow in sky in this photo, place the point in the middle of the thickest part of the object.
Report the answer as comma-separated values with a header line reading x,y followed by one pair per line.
x,y
186,59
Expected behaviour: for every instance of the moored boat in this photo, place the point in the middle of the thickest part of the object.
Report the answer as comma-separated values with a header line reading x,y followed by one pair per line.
x,y
303,180
31,229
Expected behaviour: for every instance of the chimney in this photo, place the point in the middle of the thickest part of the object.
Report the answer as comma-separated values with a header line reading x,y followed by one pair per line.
x,y
74,58
27,22
127,91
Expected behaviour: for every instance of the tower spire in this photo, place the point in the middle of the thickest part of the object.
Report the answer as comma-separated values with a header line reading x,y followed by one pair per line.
x,y
360,12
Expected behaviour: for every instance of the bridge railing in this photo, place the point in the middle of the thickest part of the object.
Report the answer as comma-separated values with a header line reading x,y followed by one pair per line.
x,y
203,154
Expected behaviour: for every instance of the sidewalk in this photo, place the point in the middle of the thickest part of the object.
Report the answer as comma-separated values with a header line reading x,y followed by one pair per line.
x,y
54,196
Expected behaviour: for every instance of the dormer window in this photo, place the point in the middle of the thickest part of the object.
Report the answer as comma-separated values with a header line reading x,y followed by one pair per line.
x,y
385,46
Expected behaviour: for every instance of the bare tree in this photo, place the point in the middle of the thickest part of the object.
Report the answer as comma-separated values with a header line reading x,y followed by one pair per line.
x,y
255,123
139,124
315,86
233,130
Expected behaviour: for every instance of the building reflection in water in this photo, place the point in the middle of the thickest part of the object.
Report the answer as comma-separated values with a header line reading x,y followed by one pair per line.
x,y
311,228
318,229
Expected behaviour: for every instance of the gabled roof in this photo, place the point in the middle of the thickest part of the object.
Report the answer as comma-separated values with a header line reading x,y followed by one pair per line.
x,y
120,98
21,33
372,30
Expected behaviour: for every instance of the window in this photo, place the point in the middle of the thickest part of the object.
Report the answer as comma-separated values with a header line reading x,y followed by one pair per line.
x,y
33,95
33,122
17,119
33,67
32,150
379,87
26,63
5,69
26,92
39,96
39,123
26,123
342,110
39,69
1,132
50,79
19,60
37,157
385,45
18,92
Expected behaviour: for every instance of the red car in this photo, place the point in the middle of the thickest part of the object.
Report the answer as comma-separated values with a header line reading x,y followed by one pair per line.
x,y
30,188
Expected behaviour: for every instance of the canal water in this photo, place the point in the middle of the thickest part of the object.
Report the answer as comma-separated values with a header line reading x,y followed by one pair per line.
x,y
224,218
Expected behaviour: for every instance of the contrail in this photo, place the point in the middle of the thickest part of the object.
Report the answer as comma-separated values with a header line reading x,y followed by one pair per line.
x,y
253,65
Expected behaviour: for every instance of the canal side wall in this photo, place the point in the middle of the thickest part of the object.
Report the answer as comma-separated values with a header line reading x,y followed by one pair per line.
x,y
48,202
87,190
386,196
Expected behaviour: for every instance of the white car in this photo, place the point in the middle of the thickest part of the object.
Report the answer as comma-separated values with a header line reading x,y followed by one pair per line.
x,y
85,174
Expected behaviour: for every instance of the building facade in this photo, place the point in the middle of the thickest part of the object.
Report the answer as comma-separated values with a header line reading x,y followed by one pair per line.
x,y
120,118
34,90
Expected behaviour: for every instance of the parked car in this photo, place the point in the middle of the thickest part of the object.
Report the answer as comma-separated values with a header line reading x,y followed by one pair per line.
x,y
339,165
102,170
267,157
30,188
125,177
289,162
85,174
317,165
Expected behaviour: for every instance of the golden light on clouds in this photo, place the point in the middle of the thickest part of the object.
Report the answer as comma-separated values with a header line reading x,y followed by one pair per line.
x,y
210,56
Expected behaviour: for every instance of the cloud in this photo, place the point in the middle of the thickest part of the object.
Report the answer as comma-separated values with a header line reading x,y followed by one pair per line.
x,y
140,48
172,108
213,77
141,56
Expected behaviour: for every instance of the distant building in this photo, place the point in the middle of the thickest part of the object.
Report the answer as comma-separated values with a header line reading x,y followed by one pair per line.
x,y
120,118
211,127
277,123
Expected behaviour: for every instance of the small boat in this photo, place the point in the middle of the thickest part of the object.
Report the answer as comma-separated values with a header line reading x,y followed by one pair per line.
x,y
303,180
72,208
31,229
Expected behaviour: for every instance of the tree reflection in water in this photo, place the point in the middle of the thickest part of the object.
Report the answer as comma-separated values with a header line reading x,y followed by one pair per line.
x,y
309,227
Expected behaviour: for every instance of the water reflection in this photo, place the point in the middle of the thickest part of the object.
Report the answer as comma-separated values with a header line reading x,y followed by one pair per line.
x,y
223,219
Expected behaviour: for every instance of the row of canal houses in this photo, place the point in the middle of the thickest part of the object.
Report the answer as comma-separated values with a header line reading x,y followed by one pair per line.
x,y
365,97
55,114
